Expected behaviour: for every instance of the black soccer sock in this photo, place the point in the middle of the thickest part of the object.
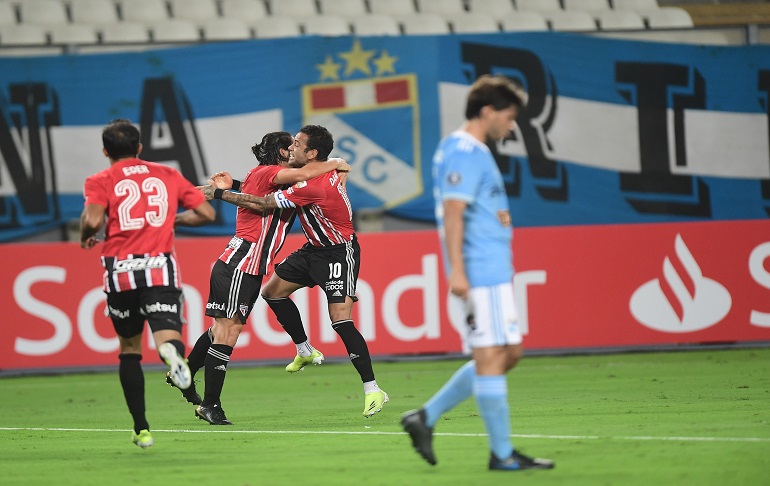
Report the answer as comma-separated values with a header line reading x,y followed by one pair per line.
x,y
132,381
198,353
216,368
288,315
357,349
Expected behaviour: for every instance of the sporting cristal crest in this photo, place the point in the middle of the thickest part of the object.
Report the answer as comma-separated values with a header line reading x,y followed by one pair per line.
x,y
373,113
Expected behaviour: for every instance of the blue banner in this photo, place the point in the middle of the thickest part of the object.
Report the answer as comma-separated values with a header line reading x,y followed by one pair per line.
x,y
615,131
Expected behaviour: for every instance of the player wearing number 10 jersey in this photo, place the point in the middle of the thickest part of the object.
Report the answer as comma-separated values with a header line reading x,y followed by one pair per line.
x,y
139,200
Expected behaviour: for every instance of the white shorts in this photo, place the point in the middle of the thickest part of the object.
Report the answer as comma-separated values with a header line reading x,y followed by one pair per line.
x,y
490,316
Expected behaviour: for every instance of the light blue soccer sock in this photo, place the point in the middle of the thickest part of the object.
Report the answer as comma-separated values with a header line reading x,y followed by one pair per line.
x,y
491,394
458,388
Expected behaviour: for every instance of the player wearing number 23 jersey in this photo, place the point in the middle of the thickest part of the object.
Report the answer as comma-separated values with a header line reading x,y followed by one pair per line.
x,y
141,199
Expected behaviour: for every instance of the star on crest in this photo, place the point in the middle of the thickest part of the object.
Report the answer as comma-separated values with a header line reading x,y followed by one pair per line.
x,y
329,69
357,59
385,63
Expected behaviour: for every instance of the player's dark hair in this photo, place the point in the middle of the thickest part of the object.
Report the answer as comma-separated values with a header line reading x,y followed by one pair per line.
x,y
268,152
496,91
320,139
121,139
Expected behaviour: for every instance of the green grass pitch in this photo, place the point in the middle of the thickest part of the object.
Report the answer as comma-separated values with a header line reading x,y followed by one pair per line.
x,y
678,418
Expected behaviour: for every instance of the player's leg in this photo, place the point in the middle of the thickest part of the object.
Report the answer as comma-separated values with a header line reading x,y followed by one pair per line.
x,y
232,294
496,343
289,276
128,325
162,306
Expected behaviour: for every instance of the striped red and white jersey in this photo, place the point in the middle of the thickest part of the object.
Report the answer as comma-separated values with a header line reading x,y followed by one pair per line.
x,y
258,238
141,200
323,208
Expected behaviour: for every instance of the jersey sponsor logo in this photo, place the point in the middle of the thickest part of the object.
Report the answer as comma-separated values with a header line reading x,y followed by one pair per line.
x,y
215,306
683,300
299,185
135,264
135,169
159,307
334,285
370,84
120,314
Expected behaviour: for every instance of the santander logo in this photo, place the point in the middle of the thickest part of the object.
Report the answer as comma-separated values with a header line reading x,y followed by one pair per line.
x,y
684,300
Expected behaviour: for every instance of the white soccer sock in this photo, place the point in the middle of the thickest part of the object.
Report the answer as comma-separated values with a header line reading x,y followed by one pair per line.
x,y
304,349
371,386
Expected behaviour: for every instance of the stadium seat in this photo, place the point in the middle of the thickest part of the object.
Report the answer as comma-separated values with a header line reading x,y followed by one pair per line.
x,y
194,10
94,12
395,8
424,24
125,32
524,22
538,5
22,34
637,5
43,12
592,6
375,24
225,29
620,20
148,11
175,30
7,13
73,34
474,23
495,8
343,8
327,25
668,18
276,27
293,8
245,10
441,7
571,21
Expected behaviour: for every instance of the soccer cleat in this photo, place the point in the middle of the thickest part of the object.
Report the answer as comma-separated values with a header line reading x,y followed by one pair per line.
x,y
179,372
300,362
191,395
415,424
143,439
517,462
212,414
373,402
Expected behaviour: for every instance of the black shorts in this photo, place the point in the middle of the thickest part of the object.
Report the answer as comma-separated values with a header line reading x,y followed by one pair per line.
x,y
333,268
231,292
161,307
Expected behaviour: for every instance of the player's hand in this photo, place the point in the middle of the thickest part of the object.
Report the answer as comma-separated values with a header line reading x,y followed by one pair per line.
x,y
222,180
89,243
458,284
343,177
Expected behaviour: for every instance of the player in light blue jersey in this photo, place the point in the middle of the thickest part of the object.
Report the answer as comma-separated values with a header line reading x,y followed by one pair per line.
x,y
474,224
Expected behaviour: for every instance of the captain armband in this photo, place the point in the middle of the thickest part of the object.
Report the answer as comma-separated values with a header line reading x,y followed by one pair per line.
x,y
280,199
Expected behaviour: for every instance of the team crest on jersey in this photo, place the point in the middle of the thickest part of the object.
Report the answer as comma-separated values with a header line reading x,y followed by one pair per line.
x,y
365,81
454,178
244,309
300,185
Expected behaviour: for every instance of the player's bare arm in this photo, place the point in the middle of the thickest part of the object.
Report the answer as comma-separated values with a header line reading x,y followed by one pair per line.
x,y
201,215
91,221
291,175
248,201
454,228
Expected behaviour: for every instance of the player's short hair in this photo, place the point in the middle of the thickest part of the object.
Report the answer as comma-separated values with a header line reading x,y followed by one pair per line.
x,y
320,139
121,139
268,151
496,91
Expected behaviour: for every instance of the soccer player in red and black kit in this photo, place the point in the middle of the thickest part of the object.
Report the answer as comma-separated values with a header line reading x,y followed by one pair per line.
x,y
236,277
331,257
141,279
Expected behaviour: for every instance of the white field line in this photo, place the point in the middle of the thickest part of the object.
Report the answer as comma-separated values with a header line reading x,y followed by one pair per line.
x,y
439,434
